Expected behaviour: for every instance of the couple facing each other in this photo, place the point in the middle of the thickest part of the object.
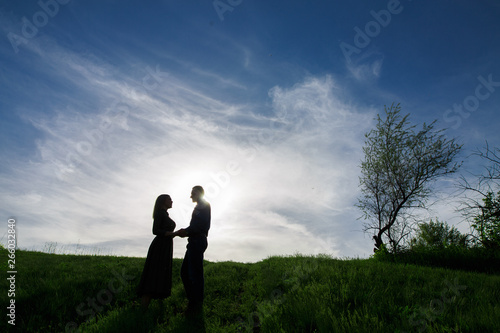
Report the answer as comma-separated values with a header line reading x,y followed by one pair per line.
x,y
156,278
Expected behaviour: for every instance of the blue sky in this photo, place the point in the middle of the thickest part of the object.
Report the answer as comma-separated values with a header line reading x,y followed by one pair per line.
x,y
104,105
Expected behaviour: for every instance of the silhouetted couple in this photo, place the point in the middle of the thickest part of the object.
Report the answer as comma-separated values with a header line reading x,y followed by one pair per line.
x,y
156,279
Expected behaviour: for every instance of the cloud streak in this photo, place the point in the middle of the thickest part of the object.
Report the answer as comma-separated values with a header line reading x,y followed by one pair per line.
x,y
279,181
113,114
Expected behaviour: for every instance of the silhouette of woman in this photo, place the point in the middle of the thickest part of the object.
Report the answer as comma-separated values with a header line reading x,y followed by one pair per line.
x,y
156,278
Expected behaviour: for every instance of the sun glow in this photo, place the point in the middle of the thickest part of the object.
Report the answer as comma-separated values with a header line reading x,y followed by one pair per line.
x,y
223,201
221,191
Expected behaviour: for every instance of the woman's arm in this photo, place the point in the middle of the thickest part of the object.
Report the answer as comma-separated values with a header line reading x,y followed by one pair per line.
x,y
180,233
162,224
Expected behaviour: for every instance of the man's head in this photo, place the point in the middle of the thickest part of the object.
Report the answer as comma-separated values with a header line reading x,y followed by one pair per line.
x,y
197,193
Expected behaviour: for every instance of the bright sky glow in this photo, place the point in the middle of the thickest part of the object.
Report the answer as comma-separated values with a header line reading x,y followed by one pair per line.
x,y
104,105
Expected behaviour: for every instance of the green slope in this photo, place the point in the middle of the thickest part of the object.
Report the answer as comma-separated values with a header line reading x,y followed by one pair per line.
x,y
67,293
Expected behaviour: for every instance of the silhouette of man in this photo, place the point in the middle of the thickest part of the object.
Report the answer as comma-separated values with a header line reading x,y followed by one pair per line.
x,y
192,265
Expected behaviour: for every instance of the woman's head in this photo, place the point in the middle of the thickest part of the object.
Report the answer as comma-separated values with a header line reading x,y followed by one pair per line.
x,y
162,202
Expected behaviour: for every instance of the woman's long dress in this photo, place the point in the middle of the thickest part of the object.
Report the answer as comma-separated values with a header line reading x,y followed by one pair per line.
x,y
156,278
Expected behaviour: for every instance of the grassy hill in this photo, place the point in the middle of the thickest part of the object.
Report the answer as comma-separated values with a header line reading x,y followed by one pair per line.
x,y
70,293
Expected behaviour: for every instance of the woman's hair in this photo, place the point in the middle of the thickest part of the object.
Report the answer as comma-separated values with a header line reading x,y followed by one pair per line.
x,y
159,203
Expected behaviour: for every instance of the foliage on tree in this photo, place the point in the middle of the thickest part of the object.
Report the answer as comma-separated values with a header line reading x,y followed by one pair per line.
x,y
397,172
487,222
437,235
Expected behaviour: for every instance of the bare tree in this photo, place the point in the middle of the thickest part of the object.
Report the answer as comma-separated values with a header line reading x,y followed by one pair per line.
x,y
481,206
491,177
399,167
482,183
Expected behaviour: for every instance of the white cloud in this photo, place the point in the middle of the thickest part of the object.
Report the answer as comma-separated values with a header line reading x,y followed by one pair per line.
x,y
279,183
368,67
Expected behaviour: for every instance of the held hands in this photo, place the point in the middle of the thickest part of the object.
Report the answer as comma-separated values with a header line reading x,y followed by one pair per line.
x,y
180,233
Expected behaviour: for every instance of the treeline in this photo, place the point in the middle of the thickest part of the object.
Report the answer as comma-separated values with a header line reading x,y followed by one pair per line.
x,y
437,244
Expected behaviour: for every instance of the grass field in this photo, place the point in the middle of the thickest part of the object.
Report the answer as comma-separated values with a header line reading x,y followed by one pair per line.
x,y
85,293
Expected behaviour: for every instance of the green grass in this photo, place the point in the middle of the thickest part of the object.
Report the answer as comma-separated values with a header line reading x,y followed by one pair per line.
x,y
70,293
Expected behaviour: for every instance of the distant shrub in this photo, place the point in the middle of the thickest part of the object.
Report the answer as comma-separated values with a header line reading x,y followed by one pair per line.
x,y
438,235
383,254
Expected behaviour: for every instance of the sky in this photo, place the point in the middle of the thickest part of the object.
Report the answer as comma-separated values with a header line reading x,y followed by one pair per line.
x,y
105,105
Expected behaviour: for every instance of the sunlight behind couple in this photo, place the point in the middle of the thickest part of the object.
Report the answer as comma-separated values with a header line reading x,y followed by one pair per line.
x,y
222,195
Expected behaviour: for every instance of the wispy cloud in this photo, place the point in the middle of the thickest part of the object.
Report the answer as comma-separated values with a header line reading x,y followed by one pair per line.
x,y
113,114
278,181
366,68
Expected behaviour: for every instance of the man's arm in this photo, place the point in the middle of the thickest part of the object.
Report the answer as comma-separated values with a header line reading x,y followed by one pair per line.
x,y
180,233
